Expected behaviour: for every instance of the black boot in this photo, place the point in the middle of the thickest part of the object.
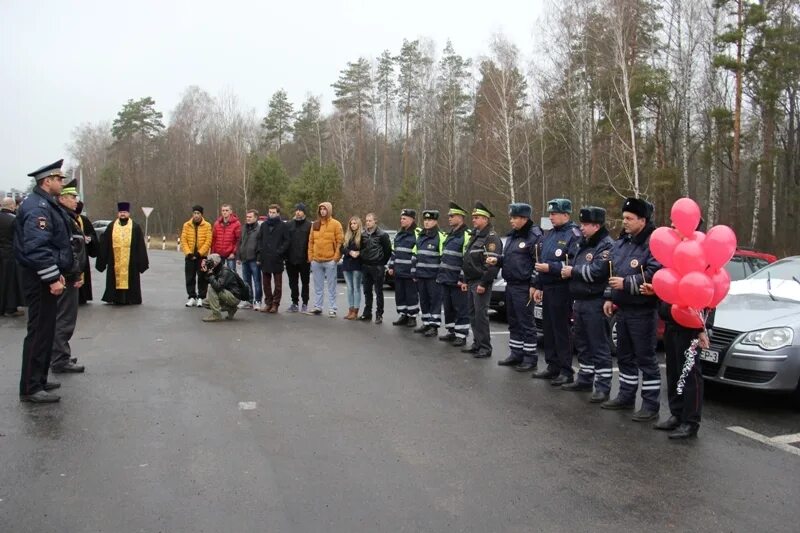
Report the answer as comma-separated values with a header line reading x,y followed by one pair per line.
x,y
402,321
421,329
412,322
511,360
685,431
459,341
669,424
447,337
433,331
365,318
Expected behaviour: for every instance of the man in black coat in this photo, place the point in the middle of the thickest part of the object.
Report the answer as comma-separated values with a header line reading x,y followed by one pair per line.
x,y
92,250
123,286
297,266
10,282
273,243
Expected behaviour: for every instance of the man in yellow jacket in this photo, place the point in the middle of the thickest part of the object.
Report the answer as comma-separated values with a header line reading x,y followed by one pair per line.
x,y
324,252
195,245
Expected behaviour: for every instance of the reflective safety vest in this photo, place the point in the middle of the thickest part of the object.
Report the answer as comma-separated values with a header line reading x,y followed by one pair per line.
x,y
405,243
455,244
428,253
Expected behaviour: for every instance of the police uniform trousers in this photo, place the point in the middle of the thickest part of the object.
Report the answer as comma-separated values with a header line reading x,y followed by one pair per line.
x,y
430,301
522,329
636,351
591,342
456,311
37,348
556,310
406,297
66,319
687,406
479,316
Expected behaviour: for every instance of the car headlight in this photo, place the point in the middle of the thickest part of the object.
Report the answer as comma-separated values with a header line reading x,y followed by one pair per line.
x,y
770,339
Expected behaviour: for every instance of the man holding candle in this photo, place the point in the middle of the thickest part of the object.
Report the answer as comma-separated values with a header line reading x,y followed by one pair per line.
x,y
633,265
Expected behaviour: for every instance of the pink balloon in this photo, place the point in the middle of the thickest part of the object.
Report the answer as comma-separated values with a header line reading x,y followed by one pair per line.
x,y
662,244
687,317
685,215
698,236
695,289
722,284
689,257
719,246
665,283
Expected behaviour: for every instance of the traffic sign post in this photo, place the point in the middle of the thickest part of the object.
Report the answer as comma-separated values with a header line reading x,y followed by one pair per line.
x,y
147,211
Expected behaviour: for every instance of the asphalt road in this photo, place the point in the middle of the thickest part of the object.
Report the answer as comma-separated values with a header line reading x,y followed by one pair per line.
x,y
308,424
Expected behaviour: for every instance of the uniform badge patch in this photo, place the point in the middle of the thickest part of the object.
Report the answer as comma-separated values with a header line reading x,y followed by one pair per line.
x,y
634,263
41,222
559,252
522,244
606,254
430,247
589,257
491,247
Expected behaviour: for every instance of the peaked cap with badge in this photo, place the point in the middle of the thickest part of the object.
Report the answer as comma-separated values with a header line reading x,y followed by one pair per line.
x,y
455,209
481,210
49,171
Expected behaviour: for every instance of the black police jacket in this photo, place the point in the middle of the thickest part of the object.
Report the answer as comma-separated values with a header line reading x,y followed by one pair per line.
x,y
80,259
519,254
376,248
590,268
42,237
453,256
630,256
559,248
482,244
405,244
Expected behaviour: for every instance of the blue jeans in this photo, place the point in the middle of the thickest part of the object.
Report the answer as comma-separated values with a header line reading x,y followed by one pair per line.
x,y
231,263
324,273
251,274
353,279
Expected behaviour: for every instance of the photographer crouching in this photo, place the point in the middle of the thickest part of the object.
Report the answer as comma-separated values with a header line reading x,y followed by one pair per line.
x,y
224,288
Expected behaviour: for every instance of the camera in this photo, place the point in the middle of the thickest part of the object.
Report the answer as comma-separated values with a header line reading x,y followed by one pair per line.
x,y
208,264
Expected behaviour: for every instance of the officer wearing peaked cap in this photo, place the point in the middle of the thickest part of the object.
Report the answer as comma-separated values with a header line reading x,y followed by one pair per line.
x,y
588,277
406,296
519,256
42,248
632,264
427,258
559,248
456,312
479,274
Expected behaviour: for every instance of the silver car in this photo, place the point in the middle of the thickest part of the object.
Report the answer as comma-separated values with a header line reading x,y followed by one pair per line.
x,y
755,341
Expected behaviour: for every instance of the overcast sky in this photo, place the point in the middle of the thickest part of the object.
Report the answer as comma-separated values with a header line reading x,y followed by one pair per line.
x,y
64,63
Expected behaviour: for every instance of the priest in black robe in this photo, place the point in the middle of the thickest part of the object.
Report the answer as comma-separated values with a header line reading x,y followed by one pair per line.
x,y
92,250
124,253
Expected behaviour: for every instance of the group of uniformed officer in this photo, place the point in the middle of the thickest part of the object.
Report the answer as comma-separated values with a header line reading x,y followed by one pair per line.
x,y
579,274
50,249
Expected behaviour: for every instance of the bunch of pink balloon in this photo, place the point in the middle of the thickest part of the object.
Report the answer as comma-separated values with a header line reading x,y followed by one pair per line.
x,y
692,278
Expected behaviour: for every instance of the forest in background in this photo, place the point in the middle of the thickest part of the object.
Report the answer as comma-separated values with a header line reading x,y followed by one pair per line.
x,y
619,98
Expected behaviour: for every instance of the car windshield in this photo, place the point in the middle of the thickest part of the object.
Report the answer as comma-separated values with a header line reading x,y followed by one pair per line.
x,y
785,269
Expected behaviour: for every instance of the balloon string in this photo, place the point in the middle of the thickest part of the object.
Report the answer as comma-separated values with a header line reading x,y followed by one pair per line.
x,y
690,356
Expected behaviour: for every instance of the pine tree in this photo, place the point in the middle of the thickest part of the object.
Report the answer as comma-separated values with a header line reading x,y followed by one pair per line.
x,y
354,99
277,125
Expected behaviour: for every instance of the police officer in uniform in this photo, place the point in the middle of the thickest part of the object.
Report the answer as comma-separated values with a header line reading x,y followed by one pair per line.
x,y
456,313
559,248
588,278
632,264
517,267
427,259
401,266
478,278
43,250
67,317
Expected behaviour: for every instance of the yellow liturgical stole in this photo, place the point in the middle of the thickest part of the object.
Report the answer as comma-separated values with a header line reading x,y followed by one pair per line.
x,y
121,237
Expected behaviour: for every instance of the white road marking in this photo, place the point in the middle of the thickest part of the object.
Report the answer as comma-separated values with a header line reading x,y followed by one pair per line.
x,y
787,439
500,333
247,406
776,442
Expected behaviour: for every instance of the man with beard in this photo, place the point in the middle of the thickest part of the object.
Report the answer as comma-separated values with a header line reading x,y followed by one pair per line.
x,y
10,286
124,252
92,249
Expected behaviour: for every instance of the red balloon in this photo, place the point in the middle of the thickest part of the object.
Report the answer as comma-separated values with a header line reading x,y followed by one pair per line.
x,y
698,236
662,244
665,283
719,246
722,284
685,215
687,317
695,289
689,257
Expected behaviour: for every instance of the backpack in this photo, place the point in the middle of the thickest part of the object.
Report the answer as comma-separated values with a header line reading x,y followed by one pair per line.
x,y
245,294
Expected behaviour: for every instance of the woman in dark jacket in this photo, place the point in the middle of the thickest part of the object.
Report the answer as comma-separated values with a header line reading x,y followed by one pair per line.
x,y
351,266
273,242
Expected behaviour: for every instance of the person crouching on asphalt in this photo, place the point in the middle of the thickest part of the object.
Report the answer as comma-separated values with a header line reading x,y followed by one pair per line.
x,y
224,289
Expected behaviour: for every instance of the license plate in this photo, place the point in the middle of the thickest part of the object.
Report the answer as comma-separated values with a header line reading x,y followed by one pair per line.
x,y
709,355
537,312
